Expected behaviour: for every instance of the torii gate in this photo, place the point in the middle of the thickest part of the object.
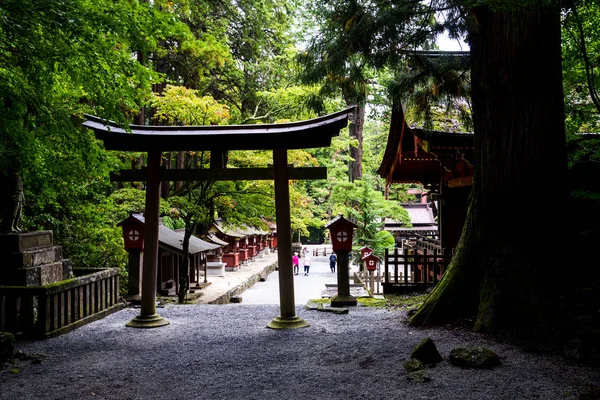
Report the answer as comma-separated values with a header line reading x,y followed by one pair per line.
x,y
279,138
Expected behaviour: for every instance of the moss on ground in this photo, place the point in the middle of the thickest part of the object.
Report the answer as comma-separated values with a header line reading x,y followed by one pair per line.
x,y
371,302
404,302
398,302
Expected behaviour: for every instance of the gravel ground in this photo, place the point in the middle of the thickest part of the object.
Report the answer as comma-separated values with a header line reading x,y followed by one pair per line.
x,y
227,352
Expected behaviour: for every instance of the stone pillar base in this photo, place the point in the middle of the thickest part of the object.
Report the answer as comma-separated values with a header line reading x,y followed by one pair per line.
x,y
343,301
287,323
148,321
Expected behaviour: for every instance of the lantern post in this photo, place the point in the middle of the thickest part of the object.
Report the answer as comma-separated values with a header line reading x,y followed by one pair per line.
x,y
133,238
371,262
365,251
341,231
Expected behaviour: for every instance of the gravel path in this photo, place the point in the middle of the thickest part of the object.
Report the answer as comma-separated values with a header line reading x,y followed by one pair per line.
x,y
227,352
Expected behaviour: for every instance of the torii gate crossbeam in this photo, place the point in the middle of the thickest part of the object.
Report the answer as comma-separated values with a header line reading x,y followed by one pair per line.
x,y
279,138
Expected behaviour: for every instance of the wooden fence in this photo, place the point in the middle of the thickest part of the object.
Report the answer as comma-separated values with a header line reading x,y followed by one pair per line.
x,y
413,269
45,311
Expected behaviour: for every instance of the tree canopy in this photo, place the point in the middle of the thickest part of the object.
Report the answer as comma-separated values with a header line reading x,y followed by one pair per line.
x,y
249,62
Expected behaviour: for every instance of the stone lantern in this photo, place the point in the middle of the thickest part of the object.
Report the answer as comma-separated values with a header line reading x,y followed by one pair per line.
x,y
341,231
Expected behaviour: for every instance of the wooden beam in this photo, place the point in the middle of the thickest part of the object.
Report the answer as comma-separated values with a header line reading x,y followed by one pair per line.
x,y
313,133
460,182
218,174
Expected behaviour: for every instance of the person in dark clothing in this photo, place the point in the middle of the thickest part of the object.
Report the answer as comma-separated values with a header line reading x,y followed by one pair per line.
x,y
332,261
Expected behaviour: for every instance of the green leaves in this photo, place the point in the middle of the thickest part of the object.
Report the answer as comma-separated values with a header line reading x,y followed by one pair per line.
x,y
177,105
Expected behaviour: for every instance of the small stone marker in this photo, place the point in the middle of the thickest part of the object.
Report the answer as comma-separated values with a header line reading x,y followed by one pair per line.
x,y
474,357
426,352
335,310
413,365
419,376
7,346
313,305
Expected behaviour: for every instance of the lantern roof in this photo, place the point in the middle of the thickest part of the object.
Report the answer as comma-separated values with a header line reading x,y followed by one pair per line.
x,y
373,256
340,220
134,218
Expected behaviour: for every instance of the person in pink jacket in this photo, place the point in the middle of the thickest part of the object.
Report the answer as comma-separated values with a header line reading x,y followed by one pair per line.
x,y
296,262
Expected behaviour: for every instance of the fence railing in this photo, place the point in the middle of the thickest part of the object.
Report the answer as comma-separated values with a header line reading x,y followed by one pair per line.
x,y
322,251
431,245
50,310
413,270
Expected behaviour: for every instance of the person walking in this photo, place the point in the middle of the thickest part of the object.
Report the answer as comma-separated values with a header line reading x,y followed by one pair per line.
x,y
296,263
307,261
305,251
332,261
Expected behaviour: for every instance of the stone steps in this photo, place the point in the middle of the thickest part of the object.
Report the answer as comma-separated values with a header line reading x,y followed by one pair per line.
x,y
32,259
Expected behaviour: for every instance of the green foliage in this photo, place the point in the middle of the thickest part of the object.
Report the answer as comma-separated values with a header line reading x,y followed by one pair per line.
x,y
173,223
177,105
58,61
241,50
367,207
581,79
435,90
383,240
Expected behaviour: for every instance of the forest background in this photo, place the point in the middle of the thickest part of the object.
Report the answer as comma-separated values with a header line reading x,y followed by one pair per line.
x,y
243,62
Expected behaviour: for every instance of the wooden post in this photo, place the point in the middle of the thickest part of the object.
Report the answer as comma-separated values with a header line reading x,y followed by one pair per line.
x,y
134,280
287,318
148,317
343,297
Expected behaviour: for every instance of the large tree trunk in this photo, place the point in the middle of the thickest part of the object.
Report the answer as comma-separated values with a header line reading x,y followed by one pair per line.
x,y
504,271
356,132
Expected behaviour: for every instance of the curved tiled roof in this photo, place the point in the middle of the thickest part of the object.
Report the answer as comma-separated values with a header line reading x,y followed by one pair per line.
x,y
173,240
212,237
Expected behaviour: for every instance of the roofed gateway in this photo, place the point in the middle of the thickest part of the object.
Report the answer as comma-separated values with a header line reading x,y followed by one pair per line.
x,y
313,133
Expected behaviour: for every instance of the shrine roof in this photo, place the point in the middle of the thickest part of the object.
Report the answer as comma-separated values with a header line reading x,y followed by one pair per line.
x,y
211,237
251,231
173,240
445,139
229,231
312,133
421,214
412,154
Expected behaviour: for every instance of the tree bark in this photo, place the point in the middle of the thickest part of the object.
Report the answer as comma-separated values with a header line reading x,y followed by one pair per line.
x,y
356,132
504,272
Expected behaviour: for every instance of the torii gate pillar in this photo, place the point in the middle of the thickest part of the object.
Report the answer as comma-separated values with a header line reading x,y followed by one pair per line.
x,y
148,317
288,318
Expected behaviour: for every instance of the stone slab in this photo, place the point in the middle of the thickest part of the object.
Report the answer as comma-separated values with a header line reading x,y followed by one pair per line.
x,y
356,290
37,257
215,268
20,242
44,275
